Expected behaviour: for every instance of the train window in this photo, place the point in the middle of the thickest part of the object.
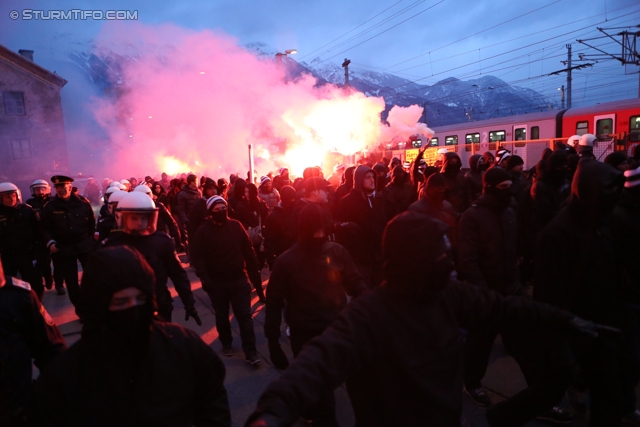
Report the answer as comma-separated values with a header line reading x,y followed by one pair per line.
x,y
497,135
416,143
402,145
451,140
433,142
604,127
535,132
582,128
471,138
634,129
520,134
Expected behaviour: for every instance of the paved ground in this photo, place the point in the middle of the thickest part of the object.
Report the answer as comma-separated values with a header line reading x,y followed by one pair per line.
x,y
244,382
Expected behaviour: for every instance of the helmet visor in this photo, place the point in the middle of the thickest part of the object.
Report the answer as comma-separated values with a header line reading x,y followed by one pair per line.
x,y
140,222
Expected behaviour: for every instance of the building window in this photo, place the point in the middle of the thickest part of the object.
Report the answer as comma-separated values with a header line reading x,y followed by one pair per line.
x,y
582,128
535,132
604,127
497,135
434,142
451,140
20,149
14,103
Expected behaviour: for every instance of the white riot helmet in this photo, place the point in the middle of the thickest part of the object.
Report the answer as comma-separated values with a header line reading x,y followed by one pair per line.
x,y
40,183
109,192
586,144
114,184
573,141
7,188
143,188
137,214
126,183
114,199
122,187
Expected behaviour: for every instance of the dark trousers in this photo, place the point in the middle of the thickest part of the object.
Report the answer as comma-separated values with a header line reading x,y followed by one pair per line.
x,y
65,265
43,264
323,414
236,293
476,355
547,368
14,264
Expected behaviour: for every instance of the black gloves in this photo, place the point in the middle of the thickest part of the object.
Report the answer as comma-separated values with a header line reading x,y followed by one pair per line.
x,y
590,328
192,312
278,358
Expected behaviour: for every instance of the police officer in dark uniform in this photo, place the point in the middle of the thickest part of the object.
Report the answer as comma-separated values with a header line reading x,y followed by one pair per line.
x,y
40,196
26,332
19,233
138,217
69,225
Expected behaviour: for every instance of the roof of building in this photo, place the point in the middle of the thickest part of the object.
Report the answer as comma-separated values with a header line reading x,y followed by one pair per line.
x,y
16,60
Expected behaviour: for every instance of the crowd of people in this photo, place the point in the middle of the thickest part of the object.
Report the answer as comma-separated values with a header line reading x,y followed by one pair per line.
x,y
394,278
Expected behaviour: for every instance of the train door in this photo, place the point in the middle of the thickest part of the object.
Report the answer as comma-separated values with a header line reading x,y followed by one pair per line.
x,y
605,129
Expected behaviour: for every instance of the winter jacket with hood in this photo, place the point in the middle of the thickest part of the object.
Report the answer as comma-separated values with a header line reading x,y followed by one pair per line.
x,y
473,178
458,194
347,185
487,246
171,378
399,347
185,201
576,264
398,194
364,244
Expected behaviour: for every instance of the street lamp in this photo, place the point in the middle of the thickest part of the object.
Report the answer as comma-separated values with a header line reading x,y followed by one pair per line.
x,y
279,55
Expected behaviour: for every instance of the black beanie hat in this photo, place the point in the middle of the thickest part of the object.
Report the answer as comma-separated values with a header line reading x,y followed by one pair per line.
x,y
495,176
514,161
312,219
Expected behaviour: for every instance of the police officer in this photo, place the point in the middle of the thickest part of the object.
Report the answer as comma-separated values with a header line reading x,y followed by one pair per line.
x,y
166,223
40,196
26,332
69,225
137,217
19,233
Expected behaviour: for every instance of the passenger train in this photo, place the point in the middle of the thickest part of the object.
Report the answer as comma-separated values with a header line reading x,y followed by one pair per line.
x,y
616,124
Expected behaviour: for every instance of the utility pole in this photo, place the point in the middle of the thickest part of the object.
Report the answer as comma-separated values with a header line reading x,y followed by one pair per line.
x,y
345,65
561,89
568,76
424,109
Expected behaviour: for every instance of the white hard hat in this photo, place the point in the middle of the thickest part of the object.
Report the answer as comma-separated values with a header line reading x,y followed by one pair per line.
x,y
588,140
143,188
573,140
7,187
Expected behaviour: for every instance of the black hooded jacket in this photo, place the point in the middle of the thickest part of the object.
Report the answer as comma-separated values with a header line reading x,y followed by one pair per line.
x,y
398,194
185,200
347,185
399,347
363,245
458,194
576,264
173,379
473,178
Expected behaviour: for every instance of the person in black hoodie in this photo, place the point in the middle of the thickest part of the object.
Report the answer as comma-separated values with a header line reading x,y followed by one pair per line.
x,y
458,194
223,258
487,258
128,368
398,194
40,196
364,207
347,183
399,346
473,178
590,286
310,279
279,232
185,200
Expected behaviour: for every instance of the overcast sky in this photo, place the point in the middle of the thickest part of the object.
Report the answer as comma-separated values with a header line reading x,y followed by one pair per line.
x,y
423,40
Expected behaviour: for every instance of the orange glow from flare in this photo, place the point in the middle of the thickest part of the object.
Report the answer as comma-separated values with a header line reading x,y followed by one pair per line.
x,y
170,165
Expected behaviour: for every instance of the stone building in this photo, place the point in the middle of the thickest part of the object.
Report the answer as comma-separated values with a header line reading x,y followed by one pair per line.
x,y
33,144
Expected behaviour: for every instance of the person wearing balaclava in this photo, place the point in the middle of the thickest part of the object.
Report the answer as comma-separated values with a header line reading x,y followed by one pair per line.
x,y
311,280
550,191
346,185
364,207
398,194
225,261
458,194
473,178
591,285
279,235
399,346
625,228
381,178
487,258
128,368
